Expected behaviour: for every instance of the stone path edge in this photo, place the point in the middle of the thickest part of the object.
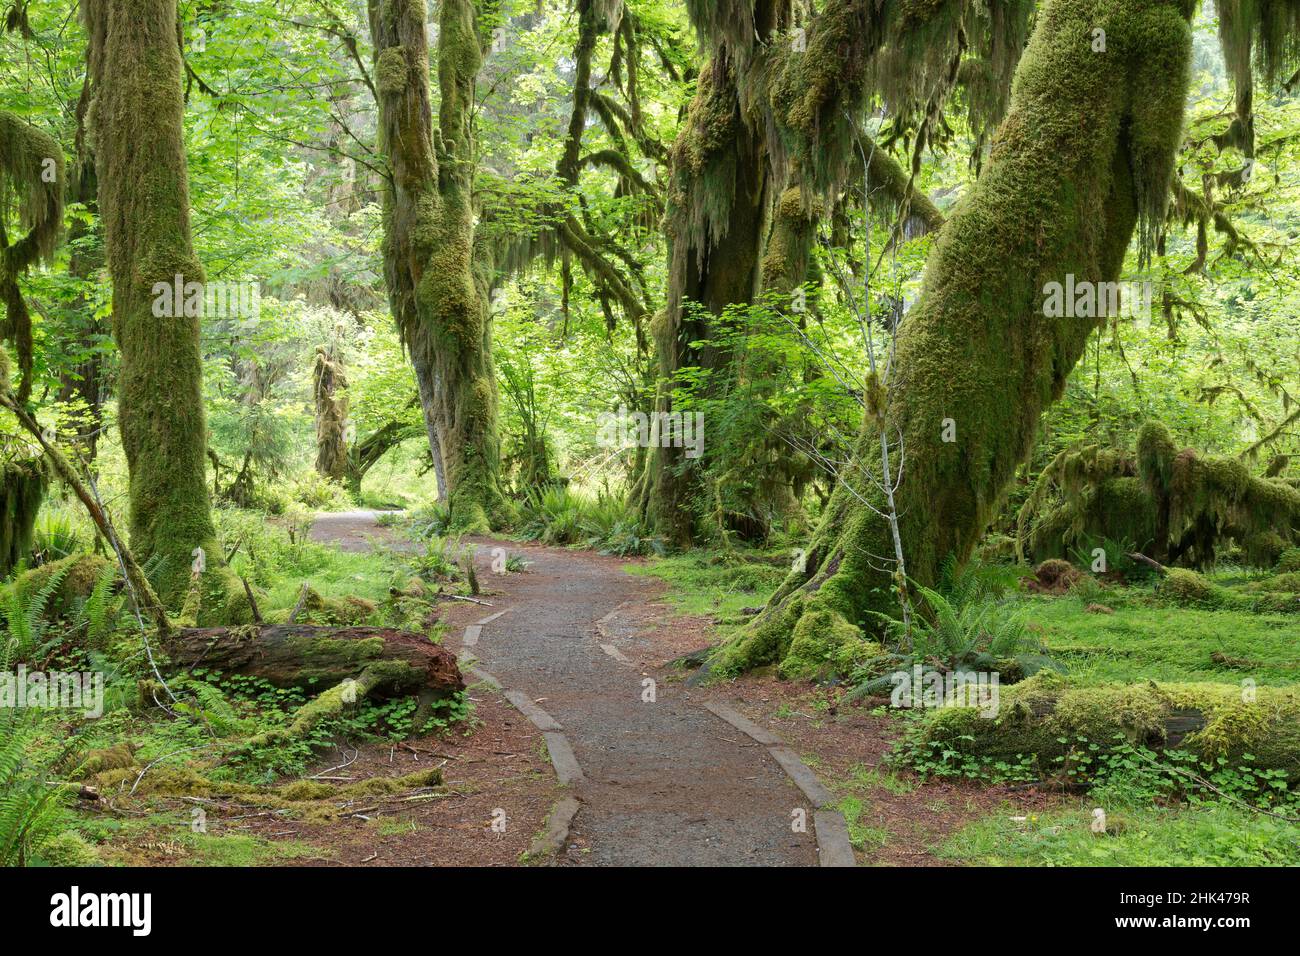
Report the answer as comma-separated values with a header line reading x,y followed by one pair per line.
x,y
563,760
832,830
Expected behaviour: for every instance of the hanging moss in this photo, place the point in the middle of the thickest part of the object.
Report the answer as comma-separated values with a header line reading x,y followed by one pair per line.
x,y
1264,34
1056,197
22,489
31,186
1174,505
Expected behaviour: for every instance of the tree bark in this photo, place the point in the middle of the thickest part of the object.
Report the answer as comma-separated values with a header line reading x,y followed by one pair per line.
x,y
136,119
437,275
328,379
308,656
1060,195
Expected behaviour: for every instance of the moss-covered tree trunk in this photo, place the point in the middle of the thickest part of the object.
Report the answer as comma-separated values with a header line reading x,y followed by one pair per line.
x,y
768,137
328,380
1085,153
82,387
437,275
136,122
717,207
22,489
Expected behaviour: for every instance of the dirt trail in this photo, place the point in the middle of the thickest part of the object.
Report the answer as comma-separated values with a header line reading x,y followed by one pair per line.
x,y
666,782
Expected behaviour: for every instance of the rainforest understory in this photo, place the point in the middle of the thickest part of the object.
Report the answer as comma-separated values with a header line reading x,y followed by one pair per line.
x,y
920,380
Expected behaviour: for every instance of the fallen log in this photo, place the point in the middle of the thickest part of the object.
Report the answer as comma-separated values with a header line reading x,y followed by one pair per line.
x,y
1056,722
354,663
303,655
358,662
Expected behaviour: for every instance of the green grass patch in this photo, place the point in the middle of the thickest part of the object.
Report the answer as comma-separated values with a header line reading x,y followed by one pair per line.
x,y
1185,836
720,585
1167,643
864,838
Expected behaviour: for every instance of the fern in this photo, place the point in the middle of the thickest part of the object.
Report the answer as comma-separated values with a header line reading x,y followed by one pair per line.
x,y
211,707
31,811
25,618
959,631
97,613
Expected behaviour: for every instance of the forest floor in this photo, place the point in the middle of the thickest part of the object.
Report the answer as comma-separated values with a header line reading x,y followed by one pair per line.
x,y
586,743
665,781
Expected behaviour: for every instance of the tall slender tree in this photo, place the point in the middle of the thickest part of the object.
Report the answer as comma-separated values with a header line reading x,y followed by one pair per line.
x,y
136,122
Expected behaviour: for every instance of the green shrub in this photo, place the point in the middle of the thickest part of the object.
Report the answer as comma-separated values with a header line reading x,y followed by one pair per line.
x,y
558,515
1289,561
319,493
1189,589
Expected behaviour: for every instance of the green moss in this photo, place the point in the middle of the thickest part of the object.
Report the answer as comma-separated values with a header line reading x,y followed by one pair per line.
x,y
438,275
1190,589
311,799
117,757
27,155
347,611
69,848
820,638
22,489
80,572
1046,717
391,71
1180,508
136,124
1056,197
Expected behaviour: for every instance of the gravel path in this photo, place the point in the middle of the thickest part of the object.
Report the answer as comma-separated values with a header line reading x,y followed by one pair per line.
x,y
666,782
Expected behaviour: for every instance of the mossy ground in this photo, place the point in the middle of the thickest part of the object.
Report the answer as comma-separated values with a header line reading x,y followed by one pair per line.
x,y
1216,836
170,838
1150,642
1149,635
203,748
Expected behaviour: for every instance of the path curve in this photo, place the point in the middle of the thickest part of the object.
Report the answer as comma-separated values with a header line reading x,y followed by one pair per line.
x,y
665,781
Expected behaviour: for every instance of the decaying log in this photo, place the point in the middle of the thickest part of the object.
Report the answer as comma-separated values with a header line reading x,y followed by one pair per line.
x,y
353,663
303,655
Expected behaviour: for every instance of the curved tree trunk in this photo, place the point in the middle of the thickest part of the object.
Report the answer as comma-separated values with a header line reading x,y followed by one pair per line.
x,y
136,119
1085,153
437,275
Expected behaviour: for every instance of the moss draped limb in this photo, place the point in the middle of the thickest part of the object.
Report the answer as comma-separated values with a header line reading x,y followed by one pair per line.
x,y
1176,505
